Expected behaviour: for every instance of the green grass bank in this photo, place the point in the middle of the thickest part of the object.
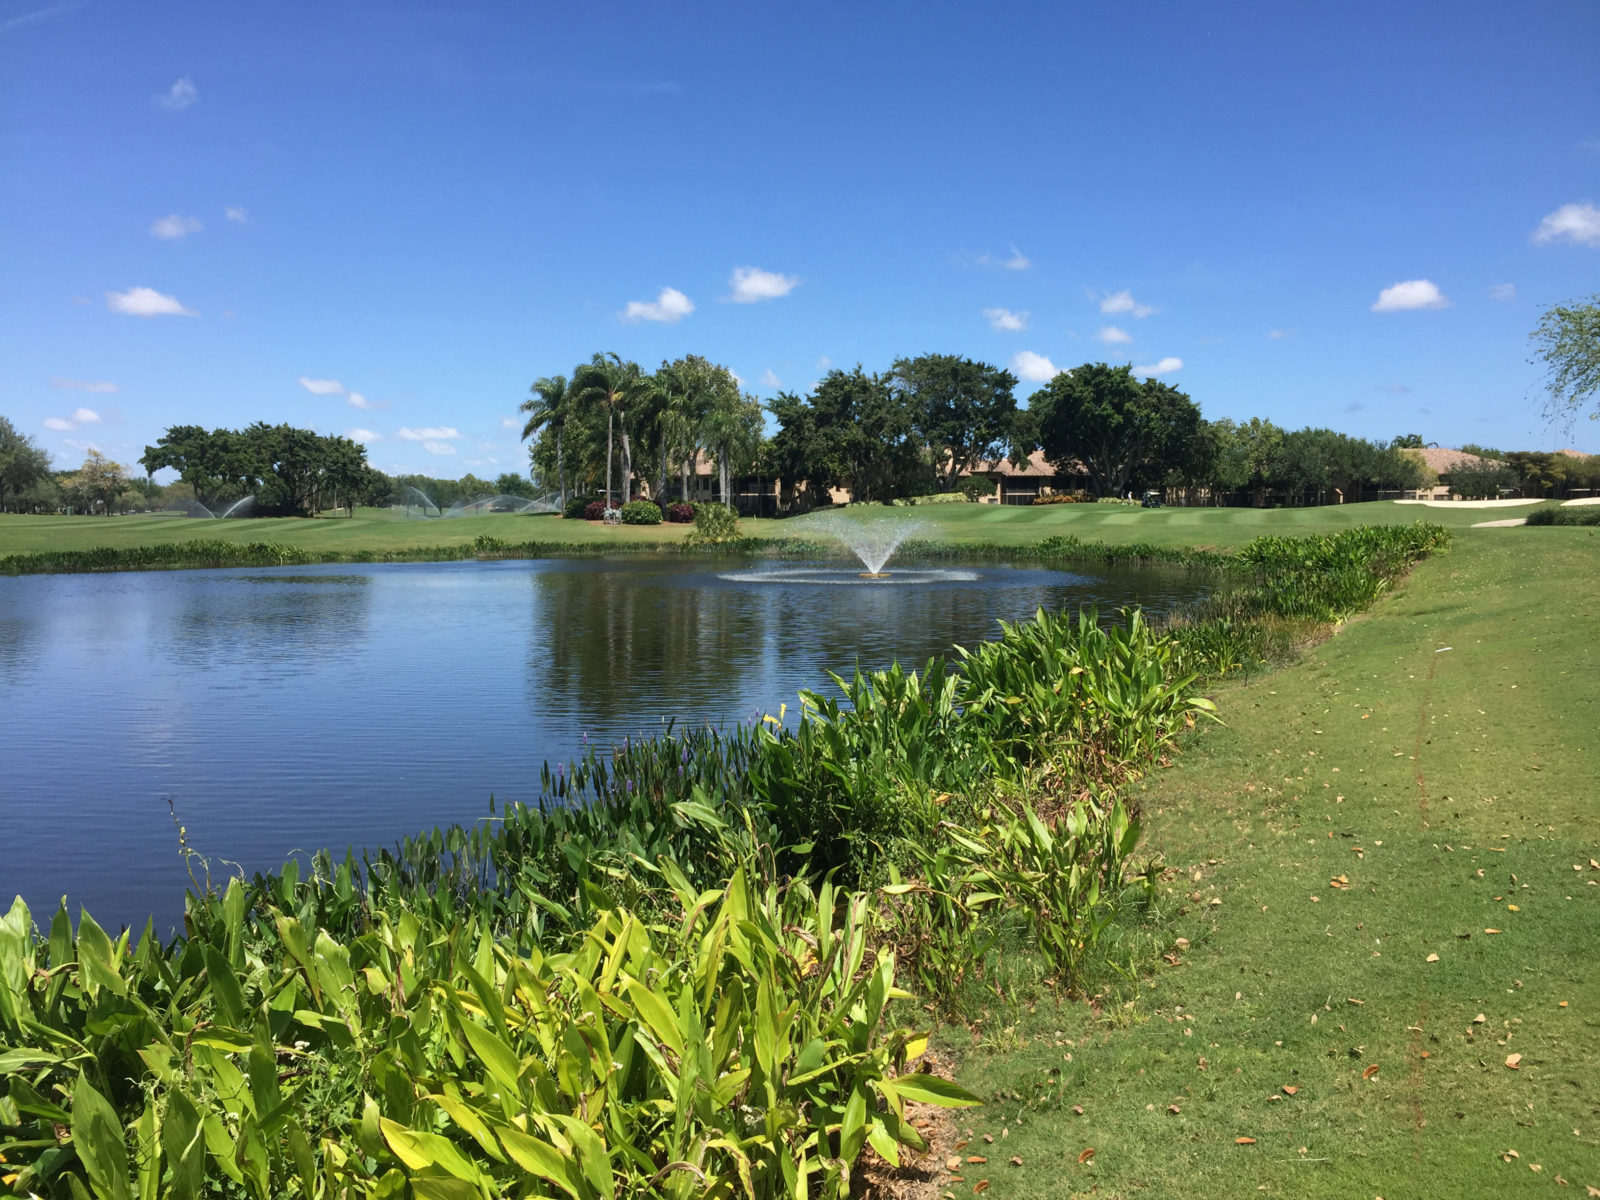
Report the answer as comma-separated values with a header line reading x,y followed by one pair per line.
x,y
378,535
1429,774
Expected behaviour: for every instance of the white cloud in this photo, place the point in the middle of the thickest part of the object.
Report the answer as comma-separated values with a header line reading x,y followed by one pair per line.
x,y
510,423
1006,320
357,400
1503,291
1123,302
1277,334
430,433
84,446
670,307
79,418
1035,368
179,96
438,447
1577,223
364,436
1112,336
1165,367
1410,294
236,214
750,284
172,227
824,363
146,302
1017,262
769,380
83,385
322,387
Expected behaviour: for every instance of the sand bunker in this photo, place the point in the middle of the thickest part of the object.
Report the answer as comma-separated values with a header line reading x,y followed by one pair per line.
x,y
1469,503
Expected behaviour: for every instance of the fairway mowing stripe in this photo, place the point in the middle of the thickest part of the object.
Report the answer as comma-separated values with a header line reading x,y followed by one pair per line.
x,y
1414,1072
1422,728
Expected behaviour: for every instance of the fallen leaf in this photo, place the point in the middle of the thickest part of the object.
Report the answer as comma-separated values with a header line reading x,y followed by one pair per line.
x,y
1479,1019
1077,1110
1512,908
1514,1061
1086,1154
1491,931
976,1158
1244,1141
1370,1071
1289,1089
961,1145
988,1139
1427,1054
1173,1108
981,1186
1353,1000
1182,943
1509,1155
1016,1160
953,1163
1432,958
1561,1004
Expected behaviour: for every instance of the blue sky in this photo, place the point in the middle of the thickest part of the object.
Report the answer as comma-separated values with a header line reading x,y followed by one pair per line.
x,y
391,218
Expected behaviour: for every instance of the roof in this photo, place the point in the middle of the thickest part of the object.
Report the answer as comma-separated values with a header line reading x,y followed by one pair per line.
x,y
1439,459
1037,464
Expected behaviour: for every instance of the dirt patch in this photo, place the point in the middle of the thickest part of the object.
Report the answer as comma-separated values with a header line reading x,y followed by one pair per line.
x,y
922,1174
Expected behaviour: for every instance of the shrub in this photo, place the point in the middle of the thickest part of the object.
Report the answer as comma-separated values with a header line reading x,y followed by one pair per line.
x,y
680,514
577,506
1556,514
641,512
595,510
714,524
974,486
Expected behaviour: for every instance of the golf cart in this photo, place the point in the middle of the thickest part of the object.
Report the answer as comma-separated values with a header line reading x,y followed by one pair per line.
x,y
1152,499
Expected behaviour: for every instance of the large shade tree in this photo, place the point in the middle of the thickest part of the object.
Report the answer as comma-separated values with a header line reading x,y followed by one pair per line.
x,y
1567,342
1123,430
964,411
23,463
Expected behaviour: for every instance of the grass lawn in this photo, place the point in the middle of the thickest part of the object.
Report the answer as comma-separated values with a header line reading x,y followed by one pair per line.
x,y
1429,774
378,530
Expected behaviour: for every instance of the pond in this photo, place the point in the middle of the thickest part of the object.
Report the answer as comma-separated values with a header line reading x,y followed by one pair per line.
x,y
275,711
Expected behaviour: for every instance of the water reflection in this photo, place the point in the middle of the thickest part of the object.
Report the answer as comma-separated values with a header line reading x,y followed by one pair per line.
x,y
298,708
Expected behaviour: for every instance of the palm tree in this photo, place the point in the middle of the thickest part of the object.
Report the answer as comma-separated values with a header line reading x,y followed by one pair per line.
x,y
686,386
549,405
611,384
732,431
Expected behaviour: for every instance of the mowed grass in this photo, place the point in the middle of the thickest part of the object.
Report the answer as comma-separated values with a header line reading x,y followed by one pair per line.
x,y
1427,775
378,530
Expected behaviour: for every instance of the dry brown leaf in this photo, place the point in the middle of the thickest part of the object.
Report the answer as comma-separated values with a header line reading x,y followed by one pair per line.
x,y
1182,943
1432,958
1173,1108
976,1158
1509,1155
1370,1071
961,1145
953,1163
1086,1155
1289,1089
1479,1019
1514,1061
1491,931
981,1186
1077,1110
1353,1000
1016,1160
1593,1191
1561,1004
1242,1141
988,1139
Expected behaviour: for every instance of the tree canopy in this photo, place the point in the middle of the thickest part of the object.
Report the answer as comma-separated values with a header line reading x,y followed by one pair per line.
x,y
962,410
290,471
1567,342
1124,431
23,463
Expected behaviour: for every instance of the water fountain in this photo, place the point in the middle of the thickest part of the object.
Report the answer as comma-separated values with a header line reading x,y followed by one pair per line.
x,y
873,539
500,504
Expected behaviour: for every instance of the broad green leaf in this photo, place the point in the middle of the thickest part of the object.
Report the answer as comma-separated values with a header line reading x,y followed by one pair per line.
x,y
98,1138
498,1058
931,1089
538,1157
419,1151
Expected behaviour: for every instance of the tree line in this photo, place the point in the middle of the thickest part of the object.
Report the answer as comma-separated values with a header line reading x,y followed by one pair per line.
x,y
924,426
